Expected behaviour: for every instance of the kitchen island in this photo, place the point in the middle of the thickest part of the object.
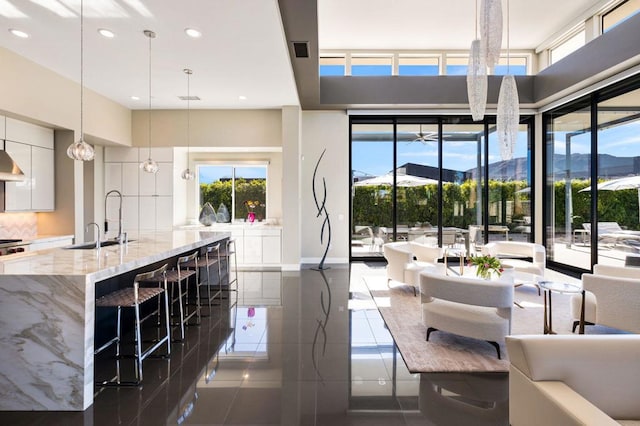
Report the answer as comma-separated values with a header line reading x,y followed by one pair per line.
x,y
47,315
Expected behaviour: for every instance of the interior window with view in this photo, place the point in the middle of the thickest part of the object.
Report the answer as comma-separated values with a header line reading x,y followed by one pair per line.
x,y
237,193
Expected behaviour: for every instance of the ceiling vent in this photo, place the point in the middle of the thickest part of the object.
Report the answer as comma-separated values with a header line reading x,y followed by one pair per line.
x,y
188,98
301,49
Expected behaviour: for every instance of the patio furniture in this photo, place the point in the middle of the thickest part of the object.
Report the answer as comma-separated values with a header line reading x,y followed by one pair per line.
x,y
470,307
612,298
574,380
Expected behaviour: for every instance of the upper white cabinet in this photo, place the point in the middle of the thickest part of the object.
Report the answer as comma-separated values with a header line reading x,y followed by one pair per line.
x,y
147,197
42,183
31,147
2,127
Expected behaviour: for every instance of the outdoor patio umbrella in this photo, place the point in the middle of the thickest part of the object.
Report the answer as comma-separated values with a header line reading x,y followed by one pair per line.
x,y
401,180
629,182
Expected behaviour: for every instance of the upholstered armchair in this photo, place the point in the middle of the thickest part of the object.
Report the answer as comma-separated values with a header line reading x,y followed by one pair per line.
x,y
612,298
470,307
574,380
511,251
406,260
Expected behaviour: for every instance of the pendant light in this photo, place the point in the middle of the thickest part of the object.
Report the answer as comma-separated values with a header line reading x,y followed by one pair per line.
x,y
477,77
508,115
81,150
187,174
149,165
491,30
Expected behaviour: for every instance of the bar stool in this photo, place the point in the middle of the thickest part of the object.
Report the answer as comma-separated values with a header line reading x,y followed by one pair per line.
x,y
178,279
133,297
210,256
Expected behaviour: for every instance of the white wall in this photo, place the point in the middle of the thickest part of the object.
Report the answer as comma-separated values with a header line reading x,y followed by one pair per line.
x,y
330,130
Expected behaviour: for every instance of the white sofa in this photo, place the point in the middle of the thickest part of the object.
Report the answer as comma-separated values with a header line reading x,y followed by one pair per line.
x,y
574,380
470,307
510,251
406,260
612,298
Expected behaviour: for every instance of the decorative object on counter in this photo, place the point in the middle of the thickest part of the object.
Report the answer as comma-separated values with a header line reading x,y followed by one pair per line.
x,y
486,266
81,150
223,214
187,174
207,215
322,210
251,205
149,165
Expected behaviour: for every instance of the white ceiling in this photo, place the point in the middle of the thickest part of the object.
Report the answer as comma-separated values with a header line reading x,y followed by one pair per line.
x,y
440,24
242,51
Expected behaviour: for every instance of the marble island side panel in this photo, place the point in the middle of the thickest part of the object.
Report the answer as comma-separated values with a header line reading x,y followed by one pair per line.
x,y
47,307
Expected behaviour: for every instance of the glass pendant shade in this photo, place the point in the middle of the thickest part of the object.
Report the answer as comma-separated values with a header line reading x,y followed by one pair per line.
x,y
81,151
491,30
149,166
477,81
508,116
187,174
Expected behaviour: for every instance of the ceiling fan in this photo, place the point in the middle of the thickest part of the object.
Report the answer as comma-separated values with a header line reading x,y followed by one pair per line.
x,y
425,136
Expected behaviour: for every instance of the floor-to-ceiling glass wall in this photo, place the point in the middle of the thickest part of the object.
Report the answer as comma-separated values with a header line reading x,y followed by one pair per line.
x,y
568,159
372,190
592,184
438,180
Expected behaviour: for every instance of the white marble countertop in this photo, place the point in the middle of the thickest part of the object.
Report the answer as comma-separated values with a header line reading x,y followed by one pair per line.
x,y
142,250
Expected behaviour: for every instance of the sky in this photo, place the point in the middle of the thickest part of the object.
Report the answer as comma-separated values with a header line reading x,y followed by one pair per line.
x,y
212,173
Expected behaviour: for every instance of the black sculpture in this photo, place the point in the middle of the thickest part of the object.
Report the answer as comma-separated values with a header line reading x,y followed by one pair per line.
x,y
322,209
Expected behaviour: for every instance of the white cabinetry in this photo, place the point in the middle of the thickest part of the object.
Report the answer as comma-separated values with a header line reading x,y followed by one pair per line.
x,y
255,245
147,197
2,127
31,147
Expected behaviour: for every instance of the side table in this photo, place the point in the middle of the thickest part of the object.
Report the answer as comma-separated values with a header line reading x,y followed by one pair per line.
x,y
559,287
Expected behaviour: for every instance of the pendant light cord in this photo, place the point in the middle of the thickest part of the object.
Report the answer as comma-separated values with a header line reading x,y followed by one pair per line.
x,y
508,46
81,70
150,35
188,71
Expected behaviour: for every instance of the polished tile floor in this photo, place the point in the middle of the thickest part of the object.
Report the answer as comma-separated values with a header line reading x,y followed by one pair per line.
x,y
290,348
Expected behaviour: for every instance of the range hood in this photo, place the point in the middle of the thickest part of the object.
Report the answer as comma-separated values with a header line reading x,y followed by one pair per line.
x,y
9,170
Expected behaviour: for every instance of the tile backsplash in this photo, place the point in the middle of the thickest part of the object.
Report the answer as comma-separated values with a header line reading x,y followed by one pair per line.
x,y
18,225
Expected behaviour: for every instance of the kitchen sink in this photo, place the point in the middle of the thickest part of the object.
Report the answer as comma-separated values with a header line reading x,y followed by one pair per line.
x,y
92,245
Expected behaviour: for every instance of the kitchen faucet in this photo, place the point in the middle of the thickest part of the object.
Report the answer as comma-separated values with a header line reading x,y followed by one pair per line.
x,y
97,234
106,222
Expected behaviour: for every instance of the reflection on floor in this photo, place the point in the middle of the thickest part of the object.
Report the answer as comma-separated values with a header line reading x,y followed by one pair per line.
x,y
294,348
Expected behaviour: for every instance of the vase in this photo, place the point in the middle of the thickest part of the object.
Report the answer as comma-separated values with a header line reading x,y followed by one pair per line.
x,y
207,215
251,217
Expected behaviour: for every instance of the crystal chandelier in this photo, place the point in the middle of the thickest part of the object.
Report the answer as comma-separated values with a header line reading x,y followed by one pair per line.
x,y
491,30
187,174
81,150
477,77
508,115
149,165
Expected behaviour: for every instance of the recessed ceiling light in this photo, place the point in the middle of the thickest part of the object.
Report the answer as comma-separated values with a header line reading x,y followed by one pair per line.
x,y
106,33
135,98
192,32
18,33
242,98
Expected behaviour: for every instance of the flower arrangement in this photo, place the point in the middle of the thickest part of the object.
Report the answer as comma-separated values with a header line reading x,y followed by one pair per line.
x,y
486,265
251,205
